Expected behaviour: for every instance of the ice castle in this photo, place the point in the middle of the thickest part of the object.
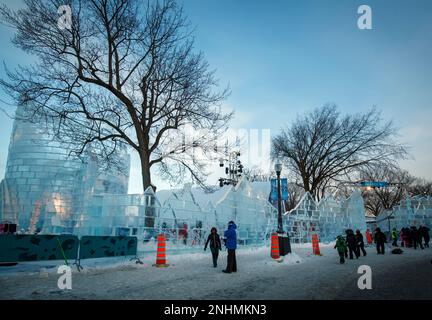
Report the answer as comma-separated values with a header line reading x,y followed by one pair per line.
x,y
47,191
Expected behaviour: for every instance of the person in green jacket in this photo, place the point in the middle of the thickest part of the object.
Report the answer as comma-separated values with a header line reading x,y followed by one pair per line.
x,y
394,237
341,247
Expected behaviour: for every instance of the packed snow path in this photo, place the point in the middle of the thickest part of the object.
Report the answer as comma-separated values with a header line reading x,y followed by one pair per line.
x,y
192,276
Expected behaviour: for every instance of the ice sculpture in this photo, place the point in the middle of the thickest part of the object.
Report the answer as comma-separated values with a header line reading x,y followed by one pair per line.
x,y
44,188
328,217
129,214
182,218
189,214
412,211
185,216
254,216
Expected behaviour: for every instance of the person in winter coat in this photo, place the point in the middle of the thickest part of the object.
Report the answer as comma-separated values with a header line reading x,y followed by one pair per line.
x,y
360,243
380,240
352,244
425,233
394,237
231,244
416,238
403,237
341,248
183,233
215,245
369,237
406,237
409,237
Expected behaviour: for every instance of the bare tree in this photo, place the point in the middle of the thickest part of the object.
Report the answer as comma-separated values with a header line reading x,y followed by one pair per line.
x,y
378,199
420,187
122,73
372,203
295,193
323,148
256,173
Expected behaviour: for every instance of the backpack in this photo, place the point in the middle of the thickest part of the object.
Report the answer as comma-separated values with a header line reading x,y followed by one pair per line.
x,y
397,251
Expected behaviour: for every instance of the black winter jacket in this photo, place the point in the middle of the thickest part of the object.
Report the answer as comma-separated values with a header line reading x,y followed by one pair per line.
x,y
380,237
359,239
214,240
351,240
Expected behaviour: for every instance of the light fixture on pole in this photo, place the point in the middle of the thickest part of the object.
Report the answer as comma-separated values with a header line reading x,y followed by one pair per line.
x,y
278,169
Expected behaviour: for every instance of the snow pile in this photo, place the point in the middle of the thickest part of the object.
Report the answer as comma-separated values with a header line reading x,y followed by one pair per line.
x,y
292,258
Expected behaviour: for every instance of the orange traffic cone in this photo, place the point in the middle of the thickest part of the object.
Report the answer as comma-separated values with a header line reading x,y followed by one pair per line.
x,y
274,251
161,252
315,245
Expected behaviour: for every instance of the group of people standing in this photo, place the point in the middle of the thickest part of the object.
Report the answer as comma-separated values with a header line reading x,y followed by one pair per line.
x,y
412,237
354,243
230,240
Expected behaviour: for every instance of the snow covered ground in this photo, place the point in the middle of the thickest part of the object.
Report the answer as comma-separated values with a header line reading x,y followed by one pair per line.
x,y
192,276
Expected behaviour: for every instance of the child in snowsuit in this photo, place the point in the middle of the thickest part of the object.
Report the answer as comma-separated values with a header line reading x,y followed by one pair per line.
x,y
215,245
394,237
341,248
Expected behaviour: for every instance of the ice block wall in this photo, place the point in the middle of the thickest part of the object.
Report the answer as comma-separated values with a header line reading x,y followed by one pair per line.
x,y
45,188
327,218
412,211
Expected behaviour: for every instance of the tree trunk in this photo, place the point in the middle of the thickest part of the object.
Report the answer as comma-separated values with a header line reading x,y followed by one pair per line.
x,y
145,171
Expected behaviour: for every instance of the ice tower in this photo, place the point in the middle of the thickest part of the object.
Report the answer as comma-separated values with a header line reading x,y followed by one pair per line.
x,y
44,188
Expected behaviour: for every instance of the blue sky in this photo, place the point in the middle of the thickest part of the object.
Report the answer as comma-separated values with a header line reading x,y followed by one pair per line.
x,y
282,58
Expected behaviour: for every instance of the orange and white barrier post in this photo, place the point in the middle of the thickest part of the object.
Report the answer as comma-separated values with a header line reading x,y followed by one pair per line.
x,y
161,252
315,245
274,251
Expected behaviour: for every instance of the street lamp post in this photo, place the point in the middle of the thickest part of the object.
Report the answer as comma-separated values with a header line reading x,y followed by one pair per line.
x,y
278,169
283,239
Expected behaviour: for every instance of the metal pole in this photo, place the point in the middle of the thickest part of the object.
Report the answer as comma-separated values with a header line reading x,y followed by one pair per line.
x,y
280,227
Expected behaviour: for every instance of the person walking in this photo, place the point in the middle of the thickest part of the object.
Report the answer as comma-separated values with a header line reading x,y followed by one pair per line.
x,y
394,237
215,245
369,237
425,235
403,237
416,239
183,233
231,243
380,240
341,248
360,243
409,237
352,245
